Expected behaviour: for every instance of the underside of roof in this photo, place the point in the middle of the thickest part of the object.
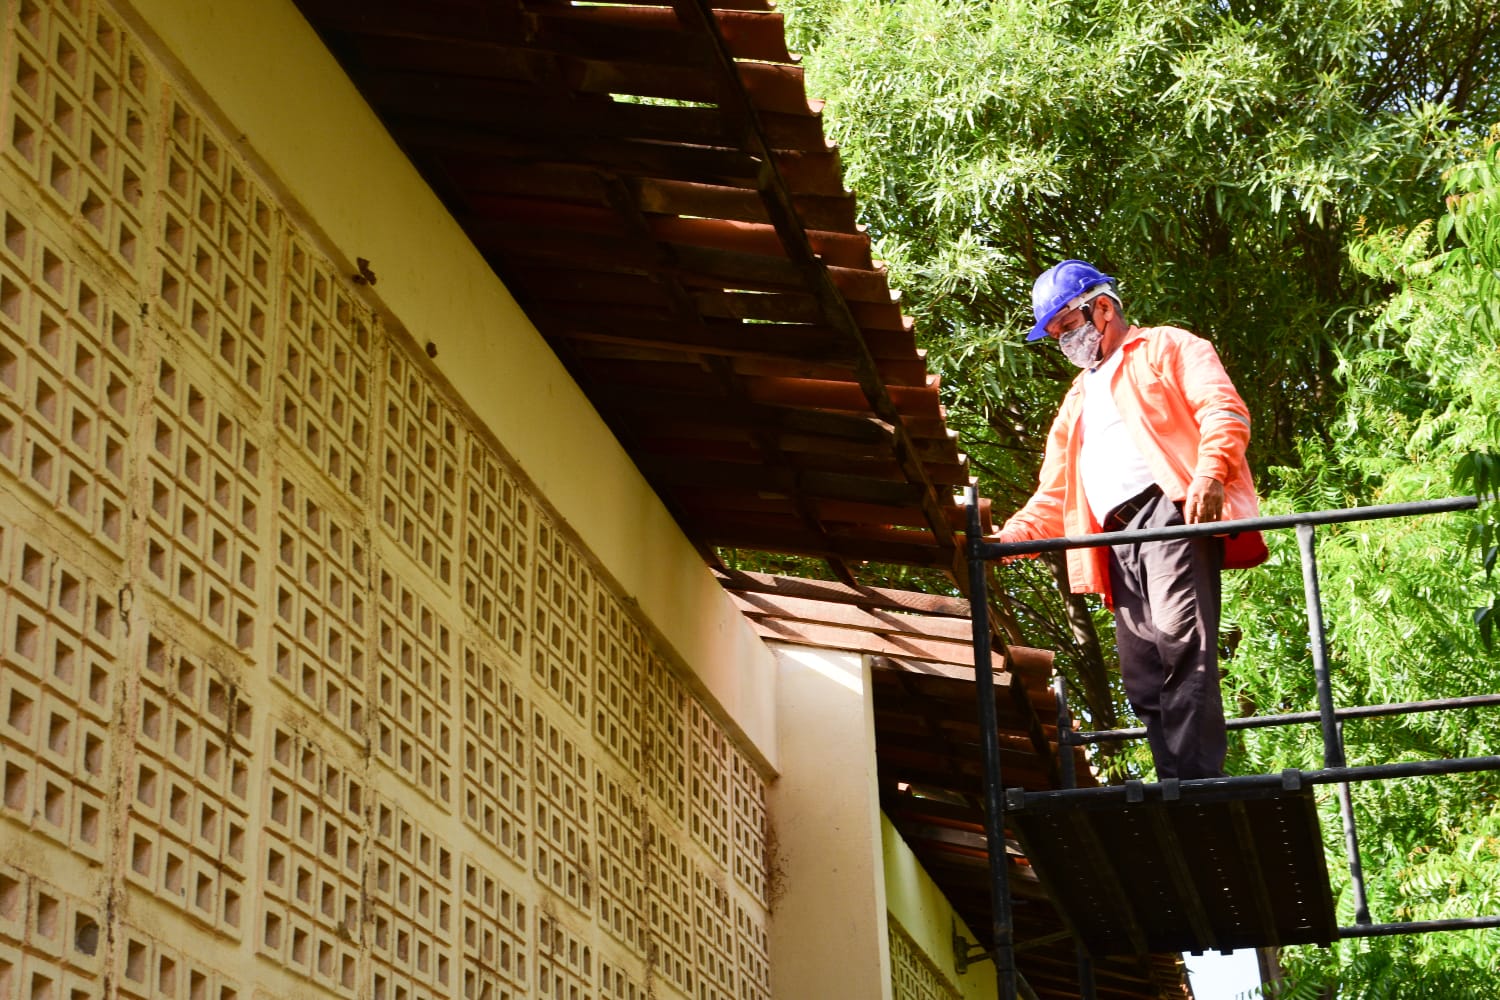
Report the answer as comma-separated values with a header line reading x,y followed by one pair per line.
x,y
928,752
654,186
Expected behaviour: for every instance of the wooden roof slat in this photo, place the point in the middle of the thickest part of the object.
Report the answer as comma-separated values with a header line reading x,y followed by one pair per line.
x,y
793,308
775,87
900,805
816,172
504,105
848,250
774,308
724,199
832,512
907,400
552,215
709,409
928,726
1030,672
954,686
434,20
947,835
734,447
712,268
777,182
599,292
718,369
493,176
920,745
916,401
911,647
968,784
812,482
671,66
791,538
726,337
483,57
830,214
859,479
749,34
885,345
833,430
860,285
618,156
631,36
826,590
933,452
756,364
732,5
592,237
532,245
850,616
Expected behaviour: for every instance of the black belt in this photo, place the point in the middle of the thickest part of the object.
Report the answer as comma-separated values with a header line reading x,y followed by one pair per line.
x,y
1121,515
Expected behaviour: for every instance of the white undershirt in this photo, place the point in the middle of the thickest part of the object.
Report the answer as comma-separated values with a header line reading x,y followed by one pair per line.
x,y
1110,464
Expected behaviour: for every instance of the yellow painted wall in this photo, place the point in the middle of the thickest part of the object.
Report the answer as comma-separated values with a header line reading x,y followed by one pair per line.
x,y
921,928
829,937
326,670
856,915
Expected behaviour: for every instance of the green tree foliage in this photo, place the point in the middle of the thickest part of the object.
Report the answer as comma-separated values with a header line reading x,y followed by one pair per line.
x,y
1307,185
1411,603
1214,156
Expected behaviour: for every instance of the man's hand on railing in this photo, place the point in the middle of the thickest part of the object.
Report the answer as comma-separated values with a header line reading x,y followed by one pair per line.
x,y
1005,536
1205,500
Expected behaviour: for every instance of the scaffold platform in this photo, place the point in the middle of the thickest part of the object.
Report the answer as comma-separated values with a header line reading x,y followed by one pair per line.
x,y
1160,871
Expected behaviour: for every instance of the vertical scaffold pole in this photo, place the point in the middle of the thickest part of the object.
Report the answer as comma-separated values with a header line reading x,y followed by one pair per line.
x,y
1333,737
1001,929
1068,778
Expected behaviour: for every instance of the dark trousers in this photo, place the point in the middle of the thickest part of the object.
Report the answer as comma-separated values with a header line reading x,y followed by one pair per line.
x,y
1166,598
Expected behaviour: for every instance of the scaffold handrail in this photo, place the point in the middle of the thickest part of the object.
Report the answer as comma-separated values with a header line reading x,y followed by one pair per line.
x,y
1203,789
998,799
1294,718
1036,546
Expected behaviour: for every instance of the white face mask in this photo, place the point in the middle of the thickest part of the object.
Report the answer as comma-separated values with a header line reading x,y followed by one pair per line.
x,y
1080,345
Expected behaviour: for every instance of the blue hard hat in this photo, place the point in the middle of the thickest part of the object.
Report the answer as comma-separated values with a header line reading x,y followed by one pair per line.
x,y
1059,285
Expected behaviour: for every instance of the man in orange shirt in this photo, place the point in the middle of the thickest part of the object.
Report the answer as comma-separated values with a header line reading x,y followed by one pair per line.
x,y
1152,433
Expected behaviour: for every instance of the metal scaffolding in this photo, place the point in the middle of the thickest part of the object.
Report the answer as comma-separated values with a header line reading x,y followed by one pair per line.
x,y
1144,816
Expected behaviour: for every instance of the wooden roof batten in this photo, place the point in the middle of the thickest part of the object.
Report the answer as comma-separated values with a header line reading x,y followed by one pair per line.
x,y
783,216
626,205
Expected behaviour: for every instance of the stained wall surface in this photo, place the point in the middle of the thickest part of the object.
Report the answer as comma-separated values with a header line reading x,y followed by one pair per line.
x,y
306,689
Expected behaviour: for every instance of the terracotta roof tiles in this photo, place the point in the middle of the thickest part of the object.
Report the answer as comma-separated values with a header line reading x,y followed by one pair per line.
x,y
653,184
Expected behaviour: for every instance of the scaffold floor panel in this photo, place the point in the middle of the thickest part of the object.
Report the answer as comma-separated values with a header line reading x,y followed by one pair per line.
x,y
1200,873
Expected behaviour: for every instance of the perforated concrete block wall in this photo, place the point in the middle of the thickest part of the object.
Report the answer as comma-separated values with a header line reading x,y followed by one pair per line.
x,y
914,973
304,692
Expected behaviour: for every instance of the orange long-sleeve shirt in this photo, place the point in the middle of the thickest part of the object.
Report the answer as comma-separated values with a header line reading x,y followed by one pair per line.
x,y
1187,420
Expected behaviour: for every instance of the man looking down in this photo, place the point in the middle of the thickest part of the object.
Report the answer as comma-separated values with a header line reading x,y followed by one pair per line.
x,y
1151,434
